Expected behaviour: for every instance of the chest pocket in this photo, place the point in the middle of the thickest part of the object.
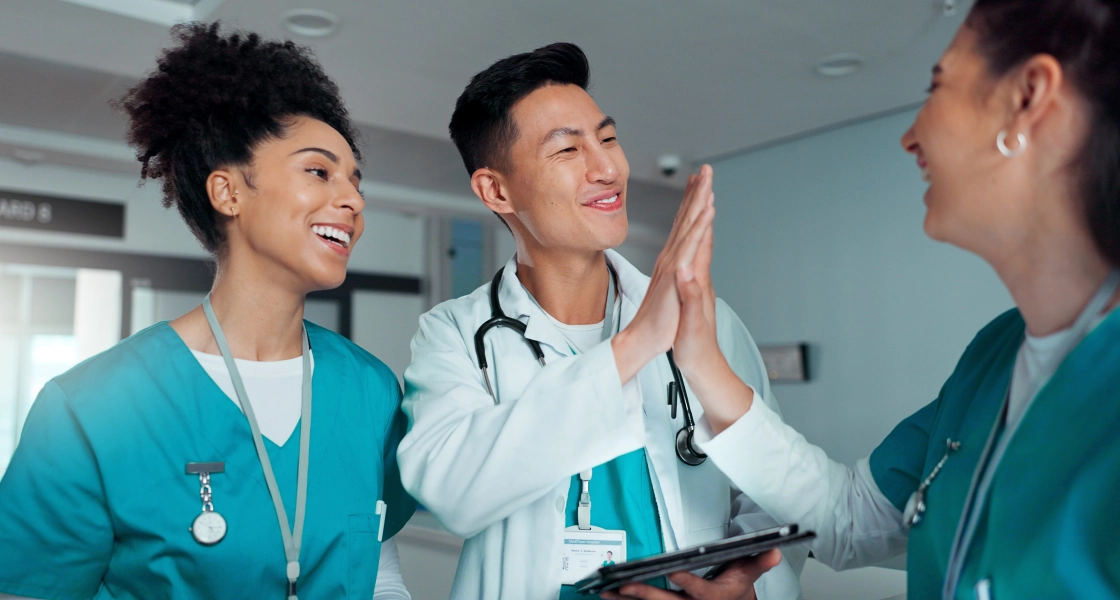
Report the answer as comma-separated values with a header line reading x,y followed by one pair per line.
x,y
365,554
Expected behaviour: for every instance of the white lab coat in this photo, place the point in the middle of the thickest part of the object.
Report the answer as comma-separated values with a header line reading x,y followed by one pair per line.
x,y
498,474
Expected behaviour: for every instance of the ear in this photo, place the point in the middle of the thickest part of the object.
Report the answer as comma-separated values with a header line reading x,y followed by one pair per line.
x,y
224,194
1036,87
489,186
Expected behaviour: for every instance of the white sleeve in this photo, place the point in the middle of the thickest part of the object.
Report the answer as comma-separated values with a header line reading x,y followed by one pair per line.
x,y
741,352
795,482
390,584
472,462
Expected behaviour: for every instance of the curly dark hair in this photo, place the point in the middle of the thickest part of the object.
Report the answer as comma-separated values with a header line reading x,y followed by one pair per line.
x,y
211,101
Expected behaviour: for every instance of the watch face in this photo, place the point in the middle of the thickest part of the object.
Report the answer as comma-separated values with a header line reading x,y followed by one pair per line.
x,y
209,528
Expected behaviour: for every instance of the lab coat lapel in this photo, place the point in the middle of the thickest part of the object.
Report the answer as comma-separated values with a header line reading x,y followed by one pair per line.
x,y
517,304
653,381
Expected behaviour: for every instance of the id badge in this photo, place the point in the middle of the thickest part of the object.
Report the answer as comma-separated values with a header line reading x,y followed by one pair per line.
x,y
582,552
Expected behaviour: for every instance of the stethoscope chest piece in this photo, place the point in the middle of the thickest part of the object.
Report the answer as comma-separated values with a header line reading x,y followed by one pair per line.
x,y
686,449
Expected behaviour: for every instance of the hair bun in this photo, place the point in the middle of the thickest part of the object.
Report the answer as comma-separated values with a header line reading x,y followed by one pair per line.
x,y
212,98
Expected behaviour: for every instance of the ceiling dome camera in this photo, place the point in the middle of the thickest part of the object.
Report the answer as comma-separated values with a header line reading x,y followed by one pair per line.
x,y
669,164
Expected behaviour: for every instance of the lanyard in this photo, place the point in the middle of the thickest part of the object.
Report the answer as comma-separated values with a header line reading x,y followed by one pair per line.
x,y
292,539
998,441
583,512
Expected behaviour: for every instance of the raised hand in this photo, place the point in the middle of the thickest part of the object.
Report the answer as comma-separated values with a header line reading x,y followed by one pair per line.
x,y
654,327
723,395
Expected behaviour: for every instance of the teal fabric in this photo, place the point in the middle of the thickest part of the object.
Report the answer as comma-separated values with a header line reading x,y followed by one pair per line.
x,y
622,498
1048,527
96,503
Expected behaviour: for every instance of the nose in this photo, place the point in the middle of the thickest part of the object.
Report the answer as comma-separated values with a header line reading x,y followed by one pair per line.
x,y
910,141
601,165
349,198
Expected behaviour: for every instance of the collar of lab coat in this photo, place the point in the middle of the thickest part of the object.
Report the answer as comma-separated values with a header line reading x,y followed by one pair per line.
x,y
517,303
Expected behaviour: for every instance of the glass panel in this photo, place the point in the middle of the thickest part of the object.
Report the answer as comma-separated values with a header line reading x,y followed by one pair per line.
x,y
466,257
11,288
52,303
9,396
150,306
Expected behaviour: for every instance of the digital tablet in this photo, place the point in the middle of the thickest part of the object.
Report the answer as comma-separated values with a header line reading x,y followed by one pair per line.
x,y
715,557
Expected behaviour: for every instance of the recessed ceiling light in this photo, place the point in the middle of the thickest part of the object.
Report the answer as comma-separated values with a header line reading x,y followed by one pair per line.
x,y
839,65
310,22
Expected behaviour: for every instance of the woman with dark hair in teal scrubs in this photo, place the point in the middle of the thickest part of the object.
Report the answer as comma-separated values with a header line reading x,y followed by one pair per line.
x,y
1007,485
237,451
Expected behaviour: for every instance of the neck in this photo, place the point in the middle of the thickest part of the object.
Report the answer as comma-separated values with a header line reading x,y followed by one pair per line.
x,y
261,318
1052,279
569,286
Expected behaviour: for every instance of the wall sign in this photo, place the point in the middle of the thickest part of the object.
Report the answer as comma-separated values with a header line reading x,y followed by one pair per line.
x,y
786,363
31,211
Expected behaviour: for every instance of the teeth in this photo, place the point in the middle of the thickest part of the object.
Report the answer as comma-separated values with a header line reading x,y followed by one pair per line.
x,y
610,200
335,234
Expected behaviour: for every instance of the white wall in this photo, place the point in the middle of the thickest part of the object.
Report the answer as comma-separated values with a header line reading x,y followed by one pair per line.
x,y
392,242
821,240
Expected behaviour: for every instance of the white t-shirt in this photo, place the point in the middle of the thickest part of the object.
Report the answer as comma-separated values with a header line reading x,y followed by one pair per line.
x,y
1037,361
275,389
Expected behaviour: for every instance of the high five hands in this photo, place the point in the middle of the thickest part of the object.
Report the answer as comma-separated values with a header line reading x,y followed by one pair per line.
x,y
679,312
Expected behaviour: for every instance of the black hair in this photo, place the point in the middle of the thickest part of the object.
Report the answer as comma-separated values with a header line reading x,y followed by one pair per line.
x,y
1084,36
212,99
481,125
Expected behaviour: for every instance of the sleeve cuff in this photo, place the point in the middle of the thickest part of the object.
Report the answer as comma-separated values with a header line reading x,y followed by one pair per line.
x,y
742,429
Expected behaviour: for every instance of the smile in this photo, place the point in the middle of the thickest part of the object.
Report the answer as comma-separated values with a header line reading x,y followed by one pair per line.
x,y
332,234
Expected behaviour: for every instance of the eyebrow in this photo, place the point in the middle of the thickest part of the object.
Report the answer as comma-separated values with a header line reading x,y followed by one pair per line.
x,y
331,156
573,132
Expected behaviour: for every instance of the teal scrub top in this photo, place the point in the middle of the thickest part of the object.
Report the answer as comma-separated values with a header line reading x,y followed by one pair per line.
x,y
1048,527
622,498
96,502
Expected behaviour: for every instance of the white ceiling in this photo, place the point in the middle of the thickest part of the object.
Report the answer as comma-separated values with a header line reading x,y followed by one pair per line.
x,y
698,79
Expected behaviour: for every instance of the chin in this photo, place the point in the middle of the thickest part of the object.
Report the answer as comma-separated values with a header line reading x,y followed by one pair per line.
x,y
325,280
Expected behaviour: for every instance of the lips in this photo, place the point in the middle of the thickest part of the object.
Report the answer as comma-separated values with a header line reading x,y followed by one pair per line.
x,y
606,201
334,236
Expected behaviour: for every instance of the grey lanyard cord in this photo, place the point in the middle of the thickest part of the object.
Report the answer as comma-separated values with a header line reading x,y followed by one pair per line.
x,y
292,539
997,446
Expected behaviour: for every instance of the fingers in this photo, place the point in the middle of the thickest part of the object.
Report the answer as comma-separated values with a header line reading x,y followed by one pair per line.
x,y
689,244
702,266
740,575
697,195
646,592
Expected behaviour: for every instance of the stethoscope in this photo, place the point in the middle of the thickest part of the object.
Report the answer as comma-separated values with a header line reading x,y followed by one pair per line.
x,y
916,506
686,448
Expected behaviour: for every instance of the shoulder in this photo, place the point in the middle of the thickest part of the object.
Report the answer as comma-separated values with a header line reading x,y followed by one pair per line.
x,y
995,343
463,314
126,364
326,344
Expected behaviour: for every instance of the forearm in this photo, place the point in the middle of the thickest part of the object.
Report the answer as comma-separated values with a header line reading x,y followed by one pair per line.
x,y
724,396
795,482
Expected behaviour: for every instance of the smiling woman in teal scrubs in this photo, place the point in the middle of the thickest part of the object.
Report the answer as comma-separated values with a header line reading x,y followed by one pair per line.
x,y
138,474
1007,485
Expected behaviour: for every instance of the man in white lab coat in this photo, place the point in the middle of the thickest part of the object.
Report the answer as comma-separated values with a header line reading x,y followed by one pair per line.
x,y
503,454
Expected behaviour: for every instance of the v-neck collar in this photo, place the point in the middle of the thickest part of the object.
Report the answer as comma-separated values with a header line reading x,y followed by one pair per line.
x,y
213,417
